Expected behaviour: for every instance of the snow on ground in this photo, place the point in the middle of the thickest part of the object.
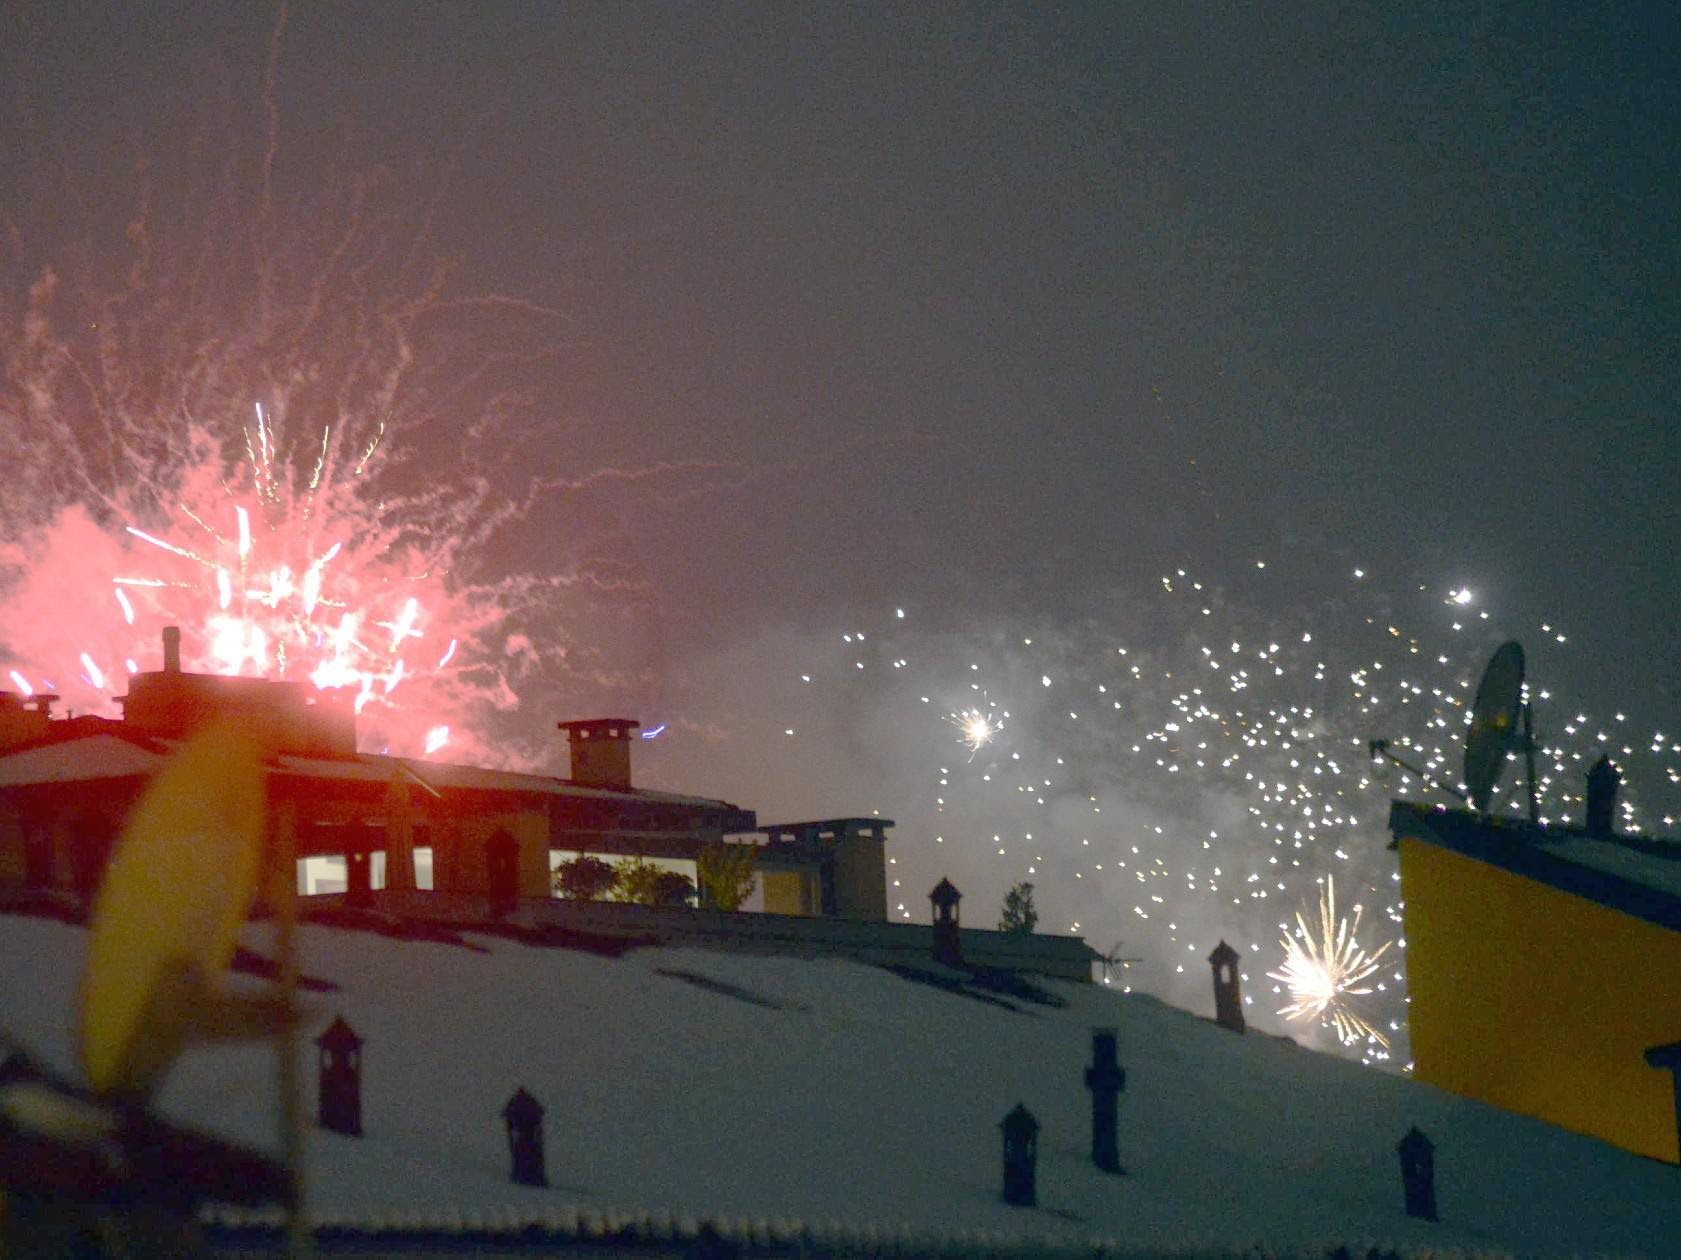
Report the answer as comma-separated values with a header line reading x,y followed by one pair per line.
x,y
728,1086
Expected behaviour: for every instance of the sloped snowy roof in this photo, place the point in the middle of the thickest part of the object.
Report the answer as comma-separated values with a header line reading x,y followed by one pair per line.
x,y
683,1085
72,761
379,768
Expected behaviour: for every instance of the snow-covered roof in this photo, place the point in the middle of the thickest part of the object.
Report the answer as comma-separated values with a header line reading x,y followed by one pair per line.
x,y
72,761
851,1101
1638,875
379,768
1651,868
107,756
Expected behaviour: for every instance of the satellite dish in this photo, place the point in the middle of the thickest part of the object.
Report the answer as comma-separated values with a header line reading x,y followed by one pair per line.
x,y
1494,730
167,915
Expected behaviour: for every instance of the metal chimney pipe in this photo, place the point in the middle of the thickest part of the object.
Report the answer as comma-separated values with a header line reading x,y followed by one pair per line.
x,y
172,649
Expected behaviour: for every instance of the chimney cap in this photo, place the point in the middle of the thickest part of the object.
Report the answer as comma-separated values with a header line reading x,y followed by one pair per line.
x,y
945,893
339,1036
522,1108
583,728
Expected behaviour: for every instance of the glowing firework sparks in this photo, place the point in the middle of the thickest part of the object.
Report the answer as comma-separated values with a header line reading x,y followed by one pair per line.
x,y
294,545
1323,970
976,728
271,414
1200,754
277,598
290,439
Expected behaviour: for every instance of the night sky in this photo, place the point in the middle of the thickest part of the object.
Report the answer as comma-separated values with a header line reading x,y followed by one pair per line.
x,y
993,315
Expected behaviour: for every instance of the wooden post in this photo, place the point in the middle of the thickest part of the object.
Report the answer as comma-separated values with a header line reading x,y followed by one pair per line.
x,y
399,832
283,904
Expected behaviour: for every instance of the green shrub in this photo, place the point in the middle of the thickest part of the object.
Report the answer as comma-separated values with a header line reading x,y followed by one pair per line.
x,y
726,874
642,883
585,878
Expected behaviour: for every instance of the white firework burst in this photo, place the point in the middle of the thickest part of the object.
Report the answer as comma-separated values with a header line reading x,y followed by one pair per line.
x,y
1323,969
976,728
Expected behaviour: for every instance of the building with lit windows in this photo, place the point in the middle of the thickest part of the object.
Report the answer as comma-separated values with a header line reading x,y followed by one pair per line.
x,y
422,839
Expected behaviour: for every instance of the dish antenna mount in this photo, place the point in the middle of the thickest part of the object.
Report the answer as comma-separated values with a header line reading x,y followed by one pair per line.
x,y
1501,723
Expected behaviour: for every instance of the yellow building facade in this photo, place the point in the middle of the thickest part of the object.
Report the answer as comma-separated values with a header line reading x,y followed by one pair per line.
x,y
1542,965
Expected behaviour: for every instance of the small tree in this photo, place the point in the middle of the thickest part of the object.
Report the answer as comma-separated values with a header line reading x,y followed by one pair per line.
x,y
1019,917
641,882
585,878
726,873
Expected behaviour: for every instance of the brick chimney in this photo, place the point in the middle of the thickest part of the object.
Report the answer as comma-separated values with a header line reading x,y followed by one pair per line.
x,y
601,752
172,649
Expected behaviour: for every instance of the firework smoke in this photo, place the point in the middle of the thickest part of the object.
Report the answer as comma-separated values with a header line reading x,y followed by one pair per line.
x,y
1187,766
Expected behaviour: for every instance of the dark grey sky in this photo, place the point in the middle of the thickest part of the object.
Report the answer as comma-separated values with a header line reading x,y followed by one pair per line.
x,y
1012,284
1037,299
998,312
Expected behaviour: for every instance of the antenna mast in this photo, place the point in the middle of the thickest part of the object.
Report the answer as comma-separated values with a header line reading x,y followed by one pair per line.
x,y
1529,758
1380,748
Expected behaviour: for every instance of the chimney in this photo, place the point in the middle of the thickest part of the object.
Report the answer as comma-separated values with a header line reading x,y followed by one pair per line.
x,y
1603,781
601,752
172,649
1228,996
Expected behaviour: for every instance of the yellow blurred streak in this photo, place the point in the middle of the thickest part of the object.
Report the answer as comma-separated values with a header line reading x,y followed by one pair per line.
x,y
167,915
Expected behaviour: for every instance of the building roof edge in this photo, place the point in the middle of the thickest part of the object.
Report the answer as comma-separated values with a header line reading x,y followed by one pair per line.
x,y
1519,848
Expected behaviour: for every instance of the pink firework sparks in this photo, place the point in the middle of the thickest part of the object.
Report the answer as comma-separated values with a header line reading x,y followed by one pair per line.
x,y
288,426
269,573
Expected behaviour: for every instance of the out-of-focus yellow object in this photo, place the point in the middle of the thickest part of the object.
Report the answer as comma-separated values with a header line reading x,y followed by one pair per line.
x,y
167,915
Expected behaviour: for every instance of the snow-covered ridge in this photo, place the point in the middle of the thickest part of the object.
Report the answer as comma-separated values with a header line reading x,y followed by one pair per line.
x,y
839,1102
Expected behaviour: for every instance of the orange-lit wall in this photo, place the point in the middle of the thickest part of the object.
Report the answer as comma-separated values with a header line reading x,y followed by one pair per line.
x,y
1538,1001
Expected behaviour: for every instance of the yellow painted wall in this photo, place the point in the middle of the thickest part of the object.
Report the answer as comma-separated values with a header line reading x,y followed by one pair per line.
x,y
789,892
1538,1001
